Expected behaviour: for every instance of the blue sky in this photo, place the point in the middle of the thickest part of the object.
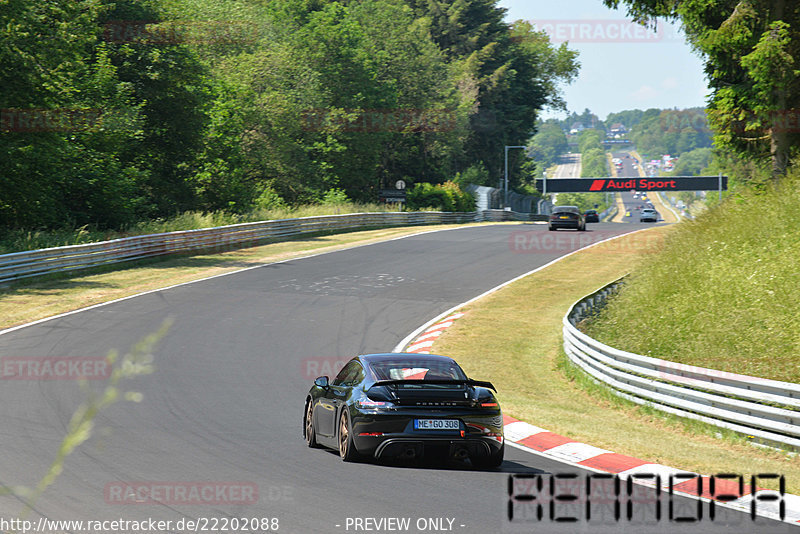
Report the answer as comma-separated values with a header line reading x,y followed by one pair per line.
x,y
622,67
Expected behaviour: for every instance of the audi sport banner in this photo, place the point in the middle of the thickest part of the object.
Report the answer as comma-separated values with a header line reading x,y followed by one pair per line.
x,y
604,185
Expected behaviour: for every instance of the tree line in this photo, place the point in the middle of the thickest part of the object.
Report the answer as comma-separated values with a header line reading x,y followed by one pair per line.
x,y
114,112
654,132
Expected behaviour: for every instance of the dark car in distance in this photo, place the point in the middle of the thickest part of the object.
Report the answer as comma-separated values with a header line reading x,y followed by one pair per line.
x,y
591,216
405,406
566,217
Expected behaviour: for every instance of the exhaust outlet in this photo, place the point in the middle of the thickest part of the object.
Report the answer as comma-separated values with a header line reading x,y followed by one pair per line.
x,y
410,452
461,454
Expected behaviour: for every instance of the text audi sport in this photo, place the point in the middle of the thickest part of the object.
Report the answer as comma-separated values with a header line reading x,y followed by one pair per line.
x,y
400,405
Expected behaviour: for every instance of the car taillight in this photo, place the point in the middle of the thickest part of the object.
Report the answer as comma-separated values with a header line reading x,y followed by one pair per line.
x,y
488,405
369,404
486,432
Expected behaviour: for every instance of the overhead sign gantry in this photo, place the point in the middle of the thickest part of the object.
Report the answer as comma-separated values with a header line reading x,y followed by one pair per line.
x,y
615,185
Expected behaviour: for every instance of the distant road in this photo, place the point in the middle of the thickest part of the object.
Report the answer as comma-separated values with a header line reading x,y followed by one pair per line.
x,y
631,168
569,166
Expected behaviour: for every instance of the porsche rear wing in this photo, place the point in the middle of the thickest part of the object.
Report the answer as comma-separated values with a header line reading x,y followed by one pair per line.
x,y
468,381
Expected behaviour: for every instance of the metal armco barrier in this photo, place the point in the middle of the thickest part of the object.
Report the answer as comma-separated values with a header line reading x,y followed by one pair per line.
x,y
20,265
504,215
766,410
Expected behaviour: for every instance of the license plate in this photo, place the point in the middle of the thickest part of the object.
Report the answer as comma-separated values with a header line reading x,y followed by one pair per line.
x,y
436,424
564,217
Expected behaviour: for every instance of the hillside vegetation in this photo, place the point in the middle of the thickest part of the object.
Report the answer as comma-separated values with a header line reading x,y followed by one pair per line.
x,y
115,113
724,291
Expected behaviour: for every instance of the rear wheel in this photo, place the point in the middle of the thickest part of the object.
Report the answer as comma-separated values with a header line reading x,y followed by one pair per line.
x,y
347,450
551,228
492,461
310,433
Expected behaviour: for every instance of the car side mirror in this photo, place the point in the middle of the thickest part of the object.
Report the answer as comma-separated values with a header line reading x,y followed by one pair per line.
x,y
321,381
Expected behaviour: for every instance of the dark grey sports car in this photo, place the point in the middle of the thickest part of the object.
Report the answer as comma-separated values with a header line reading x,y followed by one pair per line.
x,y
406,406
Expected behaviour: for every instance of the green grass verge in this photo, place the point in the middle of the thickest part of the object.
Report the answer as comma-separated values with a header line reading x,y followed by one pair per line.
x,y
513,338
724,292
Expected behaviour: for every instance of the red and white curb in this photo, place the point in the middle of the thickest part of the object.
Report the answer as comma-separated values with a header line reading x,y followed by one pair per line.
x,y
423,343
571,452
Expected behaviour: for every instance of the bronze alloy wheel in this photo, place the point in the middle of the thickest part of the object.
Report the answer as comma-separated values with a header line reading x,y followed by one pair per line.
x,y
311,437
346,448
344,436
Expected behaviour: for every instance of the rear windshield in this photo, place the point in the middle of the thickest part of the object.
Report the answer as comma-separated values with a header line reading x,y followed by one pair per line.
x,y
417,369
570,209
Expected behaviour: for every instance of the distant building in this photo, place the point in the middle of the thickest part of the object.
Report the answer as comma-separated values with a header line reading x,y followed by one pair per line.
x,y
618,129
577,128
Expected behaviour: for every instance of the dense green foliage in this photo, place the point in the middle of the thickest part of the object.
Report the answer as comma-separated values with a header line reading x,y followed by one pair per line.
x,y
548,144
593,156
475,174
722,292
693,163
594,163
671,132
119,112
628,118
445,197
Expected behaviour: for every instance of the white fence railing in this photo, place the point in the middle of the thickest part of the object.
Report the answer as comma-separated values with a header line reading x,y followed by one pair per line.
x,y
20,265
506,215
766,410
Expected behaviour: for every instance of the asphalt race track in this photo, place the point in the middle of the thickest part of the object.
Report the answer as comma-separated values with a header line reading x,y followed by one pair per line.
x,y
631,204
224,406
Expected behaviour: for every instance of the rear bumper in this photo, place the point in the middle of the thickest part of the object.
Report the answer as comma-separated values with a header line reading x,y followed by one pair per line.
x,y
408,447
564,224
385,436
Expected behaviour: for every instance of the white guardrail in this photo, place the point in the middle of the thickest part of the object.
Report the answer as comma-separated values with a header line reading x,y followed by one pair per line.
x,y
766,410
18,265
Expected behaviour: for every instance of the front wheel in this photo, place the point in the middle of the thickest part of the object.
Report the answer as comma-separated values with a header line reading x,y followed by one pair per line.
x,y
310,433
347,450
